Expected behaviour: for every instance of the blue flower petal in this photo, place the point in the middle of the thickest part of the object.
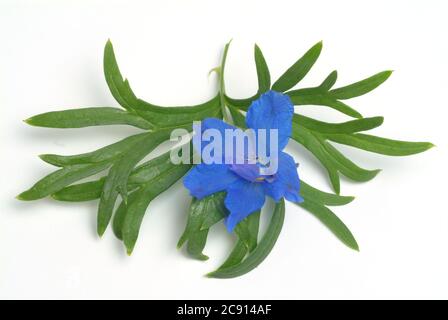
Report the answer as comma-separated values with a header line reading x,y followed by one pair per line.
x,y
243,198
286,182
205,179
240,152
250,172
272,110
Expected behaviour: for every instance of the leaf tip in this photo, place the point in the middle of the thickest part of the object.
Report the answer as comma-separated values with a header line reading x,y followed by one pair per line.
x,y
100,230
180,243
20,197
210,274
26,196
54,196
29,121
44,157
350,199
202,257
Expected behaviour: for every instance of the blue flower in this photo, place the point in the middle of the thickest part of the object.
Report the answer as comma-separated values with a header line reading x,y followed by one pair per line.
x,y
245,183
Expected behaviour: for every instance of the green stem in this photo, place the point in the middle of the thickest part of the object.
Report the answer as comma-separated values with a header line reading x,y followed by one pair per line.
x,y
222,89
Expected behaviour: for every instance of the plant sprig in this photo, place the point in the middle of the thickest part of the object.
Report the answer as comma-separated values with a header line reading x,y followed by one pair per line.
x,y
138,184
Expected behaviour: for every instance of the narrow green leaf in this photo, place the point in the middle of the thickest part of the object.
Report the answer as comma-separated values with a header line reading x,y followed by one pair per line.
x,y
238,118
136,207
150,172
332,222
264,82
197,211
150,169
298,70
119,216
60,179
329,81
313,97
118,86
247,230
344,127
171,117
92,190
117,179
362,87
80,192
260,252
196,244
263,75
237,255
86,191
156,116
380,145
202,215
313,144
217,211
107,153
87,117
323,198
347,167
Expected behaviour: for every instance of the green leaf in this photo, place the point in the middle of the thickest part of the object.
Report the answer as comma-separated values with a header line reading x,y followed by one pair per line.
x,y
312,96
238,118
329,81
80,192
247,230
137,205
119,87
217,212
323,198
263,75
332,222
149,172
362,87
202,215
330,157
198,210
92,190
196,244
347,167
156,116
237,255
119,216
264,82
344,127
117,179
87,117
380,145
260,252
60,179
298,70
107,153
313,144
172,117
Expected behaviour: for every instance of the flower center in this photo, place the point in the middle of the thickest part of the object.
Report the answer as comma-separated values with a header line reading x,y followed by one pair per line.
x,y
251,172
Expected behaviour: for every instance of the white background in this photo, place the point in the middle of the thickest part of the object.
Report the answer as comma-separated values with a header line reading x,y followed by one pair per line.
x,y
51,58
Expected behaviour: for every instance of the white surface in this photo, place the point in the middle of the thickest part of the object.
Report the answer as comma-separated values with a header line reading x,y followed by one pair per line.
x,y
51,58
